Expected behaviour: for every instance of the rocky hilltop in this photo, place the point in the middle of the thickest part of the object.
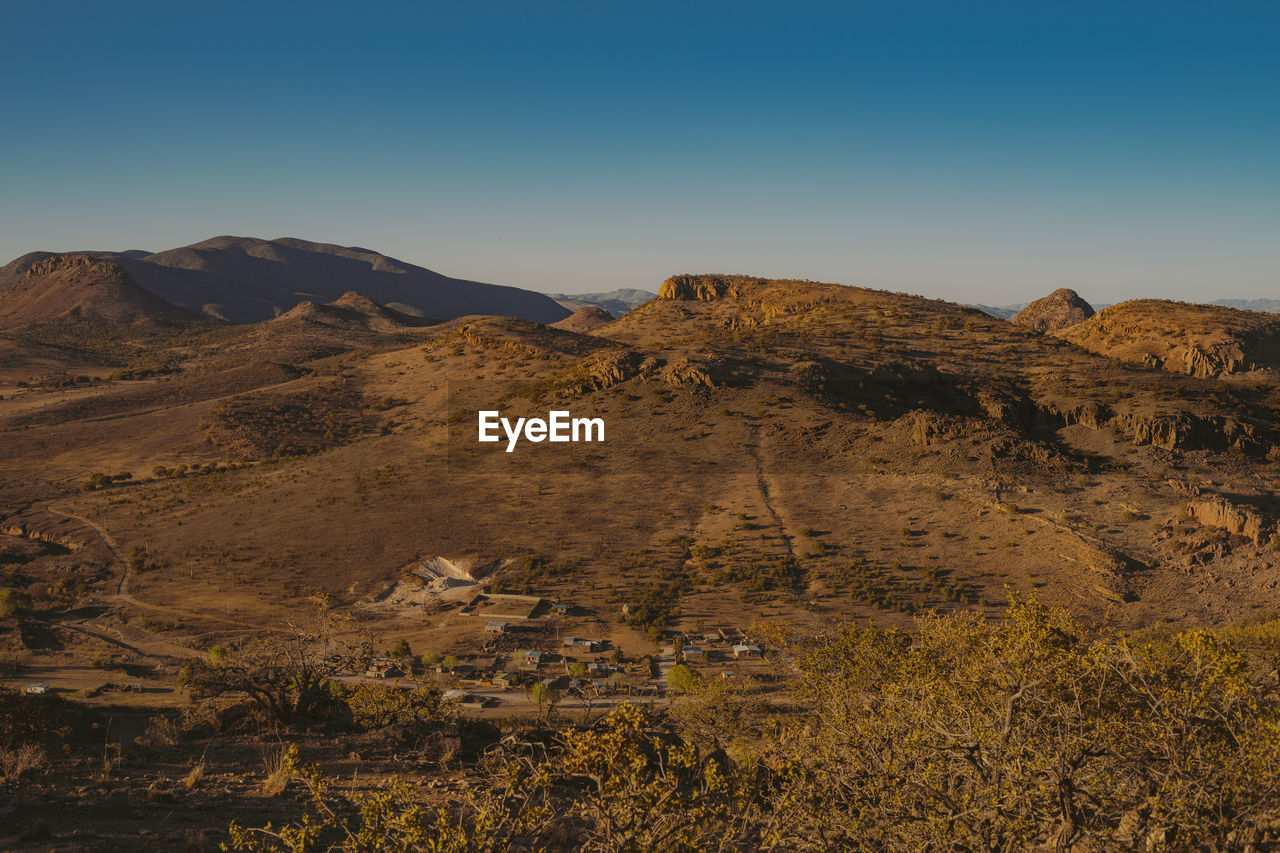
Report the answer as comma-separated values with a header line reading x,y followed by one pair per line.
x,y
81,287
1058,310
705,286
1180,337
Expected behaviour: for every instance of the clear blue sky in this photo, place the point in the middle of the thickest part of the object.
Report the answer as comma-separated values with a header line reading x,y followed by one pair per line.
x,y
971,151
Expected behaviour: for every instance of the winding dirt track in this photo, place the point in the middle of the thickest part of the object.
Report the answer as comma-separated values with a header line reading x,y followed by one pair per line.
x,y
766,495
122,587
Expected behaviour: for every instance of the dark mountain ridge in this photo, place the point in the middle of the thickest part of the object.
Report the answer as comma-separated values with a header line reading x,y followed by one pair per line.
x,y
246,280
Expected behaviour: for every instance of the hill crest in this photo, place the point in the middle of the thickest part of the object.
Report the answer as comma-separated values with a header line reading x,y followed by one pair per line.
x,y
77,285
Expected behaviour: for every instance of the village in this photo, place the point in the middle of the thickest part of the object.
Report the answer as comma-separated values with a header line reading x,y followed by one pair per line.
x,y
531,655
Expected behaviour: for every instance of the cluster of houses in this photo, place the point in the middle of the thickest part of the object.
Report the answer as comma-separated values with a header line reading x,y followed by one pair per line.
x,y
718,644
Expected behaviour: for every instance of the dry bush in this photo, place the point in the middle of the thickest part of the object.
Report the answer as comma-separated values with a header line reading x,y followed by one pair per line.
x,y
14,662
195,778
164,730
280,763
21,761
112,754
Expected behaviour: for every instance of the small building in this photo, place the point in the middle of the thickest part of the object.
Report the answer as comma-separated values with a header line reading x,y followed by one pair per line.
x,y
559,610
383,668
709,639
531,657
504,680
746,650
456,694
694,653
495,627
36,689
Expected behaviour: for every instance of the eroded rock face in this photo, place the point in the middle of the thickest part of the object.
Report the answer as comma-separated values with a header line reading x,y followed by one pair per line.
x,y
604,370
703,287
1217,511
63,263
1204,341
1059,309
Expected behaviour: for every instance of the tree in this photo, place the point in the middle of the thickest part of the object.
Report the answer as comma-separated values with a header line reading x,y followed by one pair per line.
x,y
544,696
683,679
97,480
449,662
430,659
288,676
138,558
375,705
218,655
13,603
401,649
578,669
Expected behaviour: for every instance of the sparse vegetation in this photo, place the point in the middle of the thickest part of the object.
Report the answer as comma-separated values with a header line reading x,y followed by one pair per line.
x,y
271,426
1167,738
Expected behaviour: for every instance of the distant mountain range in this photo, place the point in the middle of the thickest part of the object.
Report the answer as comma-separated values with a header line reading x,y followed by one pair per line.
x,y
616,302
1270,306
246,280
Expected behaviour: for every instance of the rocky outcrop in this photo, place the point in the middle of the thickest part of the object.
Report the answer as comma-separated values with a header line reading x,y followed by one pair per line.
x,y
602,370
1184,431
1205,341
1007,408
686,372
1217,511
67,263
704,287
24,532
1059,309
928,429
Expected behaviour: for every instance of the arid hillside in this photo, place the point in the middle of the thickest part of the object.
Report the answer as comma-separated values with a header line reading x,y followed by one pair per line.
x,y
773,448
778,458
1198,340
